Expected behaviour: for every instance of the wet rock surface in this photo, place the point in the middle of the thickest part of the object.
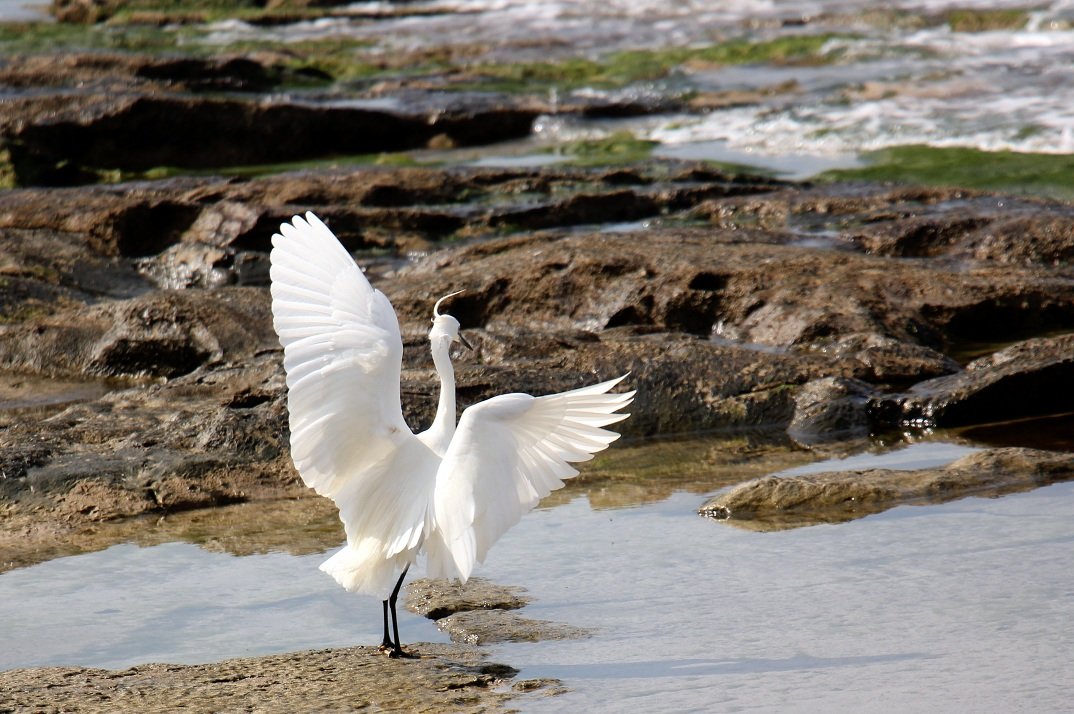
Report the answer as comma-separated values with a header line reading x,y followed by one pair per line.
x,y
103,133
479,612
488,626
781,502
830,409
1029,378
78,117
444,678
436,599
743,319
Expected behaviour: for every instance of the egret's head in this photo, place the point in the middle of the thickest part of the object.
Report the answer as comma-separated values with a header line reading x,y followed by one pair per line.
x,y
445,326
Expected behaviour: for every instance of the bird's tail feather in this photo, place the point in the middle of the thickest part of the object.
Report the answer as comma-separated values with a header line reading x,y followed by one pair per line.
x,y
440,560
362,568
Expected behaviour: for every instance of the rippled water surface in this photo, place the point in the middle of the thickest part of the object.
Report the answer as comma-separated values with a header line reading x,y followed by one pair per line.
x,y
990,75
961,607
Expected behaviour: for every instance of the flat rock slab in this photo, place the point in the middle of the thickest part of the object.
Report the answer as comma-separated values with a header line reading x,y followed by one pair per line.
x,y
436,599
779,503
445,678
482,627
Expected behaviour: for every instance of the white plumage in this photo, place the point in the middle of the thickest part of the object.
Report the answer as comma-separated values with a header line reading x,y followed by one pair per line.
x,y
452,492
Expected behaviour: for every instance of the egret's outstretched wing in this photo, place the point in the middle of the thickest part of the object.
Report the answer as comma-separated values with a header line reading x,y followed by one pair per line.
x,y
508,453
342,354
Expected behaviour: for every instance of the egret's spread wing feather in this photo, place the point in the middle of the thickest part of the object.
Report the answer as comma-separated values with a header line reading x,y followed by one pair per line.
x,y
342,355
508,453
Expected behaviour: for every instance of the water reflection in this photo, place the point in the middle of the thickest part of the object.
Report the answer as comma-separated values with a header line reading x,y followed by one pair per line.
x,y
24,395
633,474
1054,432
630,475
294,526
691,617
626,476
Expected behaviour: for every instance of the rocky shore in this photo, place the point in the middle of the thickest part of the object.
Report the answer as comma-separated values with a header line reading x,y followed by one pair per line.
x,y
831,312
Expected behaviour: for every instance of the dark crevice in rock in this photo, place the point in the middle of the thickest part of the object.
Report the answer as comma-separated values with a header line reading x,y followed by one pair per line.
x,y
1005,318
144,230
709,282
637,314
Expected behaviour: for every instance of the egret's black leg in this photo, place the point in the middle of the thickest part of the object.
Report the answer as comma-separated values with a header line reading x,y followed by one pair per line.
x,y
397,650
386,643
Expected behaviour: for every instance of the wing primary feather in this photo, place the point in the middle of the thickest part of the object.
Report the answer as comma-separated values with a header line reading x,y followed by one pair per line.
x,y
349,442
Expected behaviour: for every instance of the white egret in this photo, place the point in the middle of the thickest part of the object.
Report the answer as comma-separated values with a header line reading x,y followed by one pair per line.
x,y
450,491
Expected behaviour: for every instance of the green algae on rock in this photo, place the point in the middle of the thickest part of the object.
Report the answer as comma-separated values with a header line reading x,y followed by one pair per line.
x,y
1015,172
985,19
630,66
621,147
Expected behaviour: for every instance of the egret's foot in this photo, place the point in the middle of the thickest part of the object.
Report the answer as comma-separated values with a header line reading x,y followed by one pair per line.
x,y
400,653
386,647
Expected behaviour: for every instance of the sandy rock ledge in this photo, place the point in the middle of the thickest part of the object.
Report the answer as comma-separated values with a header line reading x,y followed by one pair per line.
x,y
479,612
446,678
781,502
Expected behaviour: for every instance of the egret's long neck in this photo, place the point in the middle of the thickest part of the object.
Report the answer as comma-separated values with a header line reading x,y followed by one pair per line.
x,y
443,427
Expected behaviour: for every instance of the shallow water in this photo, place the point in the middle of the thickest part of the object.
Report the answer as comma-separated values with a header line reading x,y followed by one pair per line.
x,y
791,165
177,602
922,455
23,395
964,606
24,11
961,607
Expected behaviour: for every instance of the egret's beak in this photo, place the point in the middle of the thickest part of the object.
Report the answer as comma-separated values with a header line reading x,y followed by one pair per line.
x,y
464,342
